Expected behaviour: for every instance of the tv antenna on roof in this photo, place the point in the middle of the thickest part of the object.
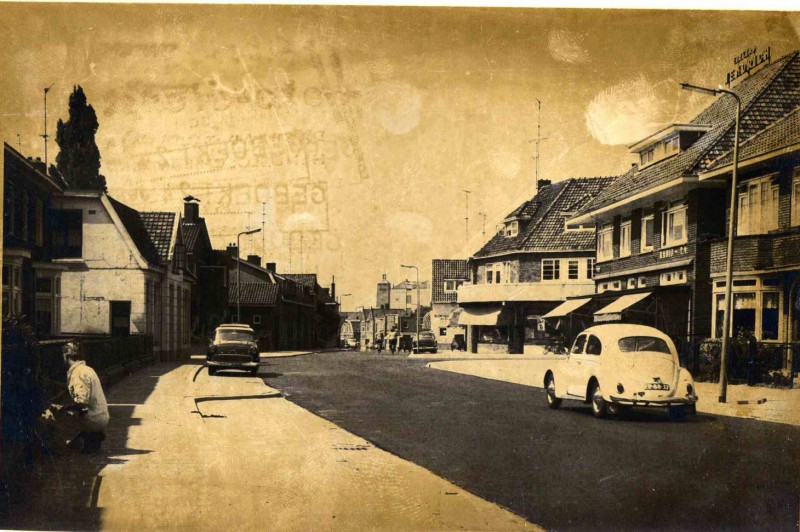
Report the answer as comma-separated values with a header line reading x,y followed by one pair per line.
x,y
538,138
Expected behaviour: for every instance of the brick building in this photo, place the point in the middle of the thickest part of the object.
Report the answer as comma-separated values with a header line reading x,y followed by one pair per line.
x,y
659,226
534,262
447,276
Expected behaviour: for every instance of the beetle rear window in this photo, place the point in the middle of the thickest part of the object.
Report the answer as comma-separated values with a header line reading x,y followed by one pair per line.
x,y
635,344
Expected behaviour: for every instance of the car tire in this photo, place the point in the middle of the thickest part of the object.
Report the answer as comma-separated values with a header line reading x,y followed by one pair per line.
x,y
599,405
434,351
691,409
254,372
212,371
617,410
553,402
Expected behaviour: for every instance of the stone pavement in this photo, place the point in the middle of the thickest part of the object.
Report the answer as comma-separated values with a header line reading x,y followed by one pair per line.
x,y
190,451
778,405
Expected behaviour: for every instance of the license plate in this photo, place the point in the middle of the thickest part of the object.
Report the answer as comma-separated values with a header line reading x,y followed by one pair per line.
x,y
656,386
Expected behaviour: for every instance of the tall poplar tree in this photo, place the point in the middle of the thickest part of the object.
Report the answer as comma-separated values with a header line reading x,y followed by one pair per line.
x,y
78,159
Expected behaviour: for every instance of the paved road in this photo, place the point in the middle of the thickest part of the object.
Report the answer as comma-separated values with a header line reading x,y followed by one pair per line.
x,y
561,469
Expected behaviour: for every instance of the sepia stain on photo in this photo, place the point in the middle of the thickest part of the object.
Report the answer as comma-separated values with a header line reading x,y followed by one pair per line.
x,y
286,267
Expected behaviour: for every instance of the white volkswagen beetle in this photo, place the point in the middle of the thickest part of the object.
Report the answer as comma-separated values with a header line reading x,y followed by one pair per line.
x,y
618,366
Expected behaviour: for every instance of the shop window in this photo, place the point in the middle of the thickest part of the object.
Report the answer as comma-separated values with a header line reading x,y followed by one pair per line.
x,y
573,269
493,335
605,247
551,269
673,228
758,207
647,234
625,240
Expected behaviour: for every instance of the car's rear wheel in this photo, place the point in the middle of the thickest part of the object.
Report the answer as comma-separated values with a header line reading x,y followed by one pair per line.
x,y
212,371
553,402
599,405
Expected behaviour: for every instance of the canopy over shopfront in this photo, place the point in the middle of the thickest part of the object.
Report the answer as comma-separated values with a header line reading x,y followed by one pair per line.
x,y
613,311
483,316
566,308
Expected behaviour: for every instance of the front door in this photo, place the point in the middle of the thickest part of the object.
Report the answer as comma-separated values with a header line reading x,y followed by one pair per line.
x,y
120,318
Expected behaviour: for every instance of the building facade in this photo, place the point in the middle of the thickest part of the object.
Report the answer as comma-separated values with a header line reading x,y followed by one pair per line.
x,y
534,262
660,248
447,276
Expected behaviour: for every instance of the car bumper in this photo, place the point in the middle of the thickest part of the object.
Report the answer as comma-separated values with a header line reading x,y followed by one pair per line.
x,y
673,401
223,364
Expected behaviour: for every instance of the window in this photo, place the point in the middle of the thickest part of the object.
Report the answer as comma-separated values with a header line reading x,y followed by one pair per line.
x,y
631,283
625,239
408,298
256,319
593,345
757,311
590,268
44,311
67,233
647,234
577,347
796,197
442,331
489,273
639,344
769,315
758,207
572,269
673,228
646,157
452,285
642,281
669,278
512,229
509,272
551,269
605,249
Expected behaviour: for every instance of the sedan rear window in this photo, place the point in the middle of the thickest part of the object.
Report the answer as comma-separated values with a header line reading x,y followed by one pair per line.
x,y
635,344
234,336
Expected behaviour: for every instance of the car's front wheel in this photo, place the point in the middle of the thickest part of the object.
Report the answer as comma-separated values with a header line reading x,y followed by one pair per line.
x,y
599,405
553,402
212,371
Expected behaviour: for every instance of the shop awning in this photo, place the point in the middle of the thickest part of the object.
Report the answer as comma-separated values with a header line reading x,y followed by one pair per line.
x,y
567,307
484,316
454,316
613,311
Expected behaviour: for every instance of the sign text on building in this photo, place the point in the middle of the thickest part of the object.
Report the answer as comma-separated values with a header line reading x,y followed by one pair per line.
x,y
746,62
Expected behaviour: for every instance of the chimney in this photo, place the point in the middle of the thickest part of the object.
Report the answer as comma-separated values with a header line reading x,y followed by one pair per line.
x,y
233,251
272,266
254,259
542,183
333,287
38,164
191,212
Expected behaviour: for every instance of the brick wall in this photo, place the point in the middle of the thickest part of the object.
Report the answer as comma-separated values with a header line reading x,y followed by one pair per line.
x,y
758,252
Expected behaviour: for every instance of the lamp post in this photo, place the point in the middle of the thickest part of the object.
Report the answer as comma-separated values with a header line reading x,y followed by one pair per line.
x,y
239,272
417,270
726,316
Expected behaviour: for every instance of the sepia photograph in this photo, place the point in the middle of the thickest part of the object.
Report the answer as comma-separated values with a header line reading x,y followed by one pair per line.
x,y
446,267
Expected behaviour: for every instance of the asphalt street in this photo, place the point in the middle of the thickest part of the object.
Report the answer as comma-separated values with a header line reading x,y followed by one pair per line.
x,y
560,469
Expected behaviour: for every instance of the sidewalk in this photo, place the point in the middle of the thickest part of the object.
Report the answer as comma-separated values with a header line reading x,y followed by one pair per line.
x,y
781,405
190,451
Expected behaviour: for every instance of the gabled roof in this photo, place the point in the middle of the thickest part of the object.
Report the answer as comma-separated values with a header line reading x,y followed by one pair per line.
x,y
304,279
447,269
254,294
546,230
159,226
768,95
135,226
45,180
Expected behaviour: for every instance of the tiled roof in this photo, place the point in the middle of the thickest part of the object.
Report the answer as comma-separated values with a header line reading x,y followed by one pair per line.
x,y
254,294
193,231
159,226
447,269
771,93
781,134
545,231
132,220
305,279
412,285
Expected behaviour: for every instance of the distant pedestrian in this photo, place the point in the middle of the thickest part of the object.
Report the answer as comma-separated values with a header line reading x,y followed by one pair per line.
x,y
85,417
379,344
393,341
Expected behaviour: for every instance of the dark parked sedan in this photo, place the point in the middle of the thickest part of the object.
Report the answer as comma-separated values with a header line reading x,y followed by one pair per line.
x,y
427,342
233,347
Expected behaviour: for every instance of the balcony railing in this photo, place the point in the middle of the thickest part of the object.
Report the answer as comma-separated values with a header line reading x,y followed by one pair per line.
x,y
543,291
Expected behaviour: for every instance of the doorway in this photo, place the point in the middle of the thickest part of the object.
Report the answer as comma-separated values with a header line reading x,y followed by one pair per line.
x,y
120,318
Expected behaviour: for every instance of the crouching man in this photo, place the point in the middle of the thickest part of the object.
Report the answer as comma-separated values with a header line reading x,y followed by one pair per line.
x,y
85,417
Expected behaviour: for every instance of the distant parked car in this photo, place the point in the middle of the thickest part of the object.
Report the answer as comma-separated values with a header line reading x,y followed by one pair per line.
x,y
618,366
233,346
349,343
427,342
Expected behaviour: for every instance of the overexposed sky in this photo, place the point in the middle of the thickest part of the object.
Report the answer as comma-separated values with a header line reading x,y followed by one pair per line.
x,y
360,127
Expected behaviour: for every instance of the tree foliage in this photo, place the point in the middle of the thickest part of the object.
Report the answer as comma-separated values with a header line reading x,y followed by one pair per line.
x,y
79,159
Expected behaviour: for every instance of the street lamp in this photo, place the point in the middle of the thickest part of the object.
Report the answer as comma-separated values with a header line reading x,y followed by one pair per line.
x,y
239,272
726,316
417,269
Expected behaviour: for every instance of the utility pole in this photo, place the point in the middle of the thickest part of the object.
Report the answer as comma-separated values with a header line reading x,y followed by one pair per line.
x,y
418,302
45,136
466,219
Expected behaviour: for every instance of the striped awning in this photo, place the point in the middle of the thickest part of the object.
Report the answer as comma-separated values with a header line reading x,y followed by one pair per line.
x,y
613,311
567,307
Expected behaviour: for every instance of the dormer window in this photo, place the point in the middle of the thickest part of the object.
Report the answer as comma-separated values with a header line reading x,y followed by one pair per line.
x,y
667,142
512,229
646,157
